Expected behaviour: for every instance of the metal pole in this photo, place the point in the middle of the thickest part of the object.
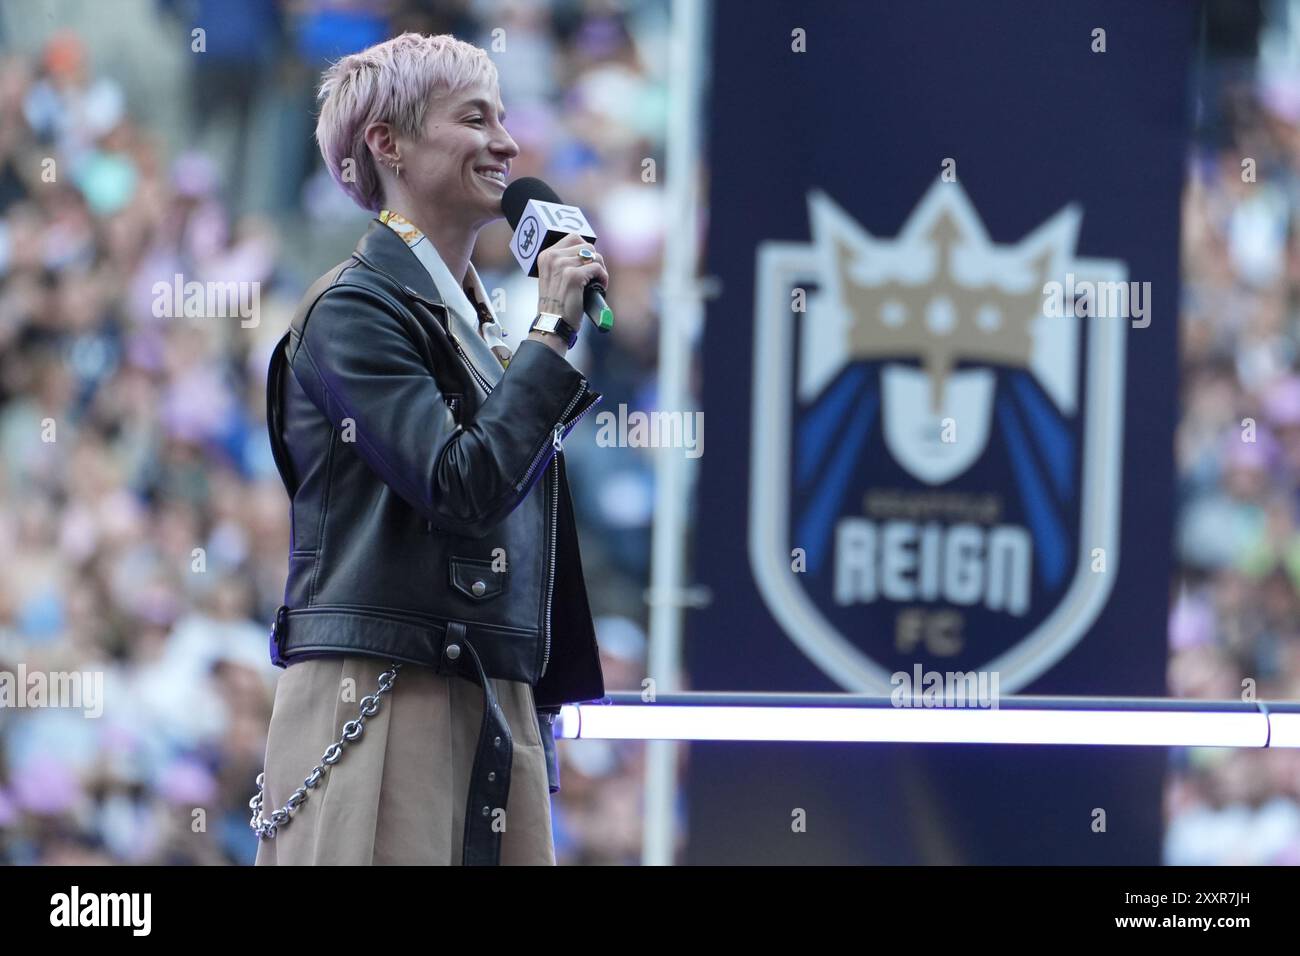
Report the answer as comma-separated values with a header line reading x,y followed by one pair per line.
x,y
678,327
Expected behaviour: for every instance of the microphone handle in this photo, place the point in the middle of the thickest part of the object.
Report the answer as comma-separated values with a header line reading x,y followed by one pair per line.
x,y
593,305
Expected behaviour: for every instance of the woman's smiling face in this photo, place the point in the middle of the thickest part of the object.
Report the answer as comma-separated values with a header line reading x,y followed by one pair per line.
x,y
461,164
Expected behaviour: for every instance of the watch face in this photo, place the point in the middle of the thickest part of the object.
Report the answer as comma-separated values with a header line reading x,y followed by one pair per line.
x,y
555,324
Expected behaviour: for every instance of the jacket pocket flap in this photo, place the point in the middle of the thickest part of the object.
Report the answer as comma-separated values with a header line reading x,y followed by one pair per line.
x,y
475,578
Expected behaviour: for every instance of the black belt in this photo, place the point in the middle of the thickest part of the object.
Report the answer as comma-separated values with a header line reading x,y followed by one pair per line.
x,y
489,784
317,632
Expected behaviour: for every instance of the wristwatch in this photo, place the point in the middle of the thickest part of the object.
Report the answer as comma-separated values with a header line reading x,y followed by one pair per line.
x,y
555,324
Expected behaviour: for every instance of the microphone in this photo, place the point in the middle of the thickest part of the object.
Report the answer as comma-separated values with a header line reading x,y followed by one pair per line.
x,y
539,220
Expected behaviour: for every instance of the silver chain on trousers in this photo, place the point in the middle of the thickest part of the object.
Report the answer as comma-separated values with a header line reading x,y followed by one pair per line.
x,y
266,829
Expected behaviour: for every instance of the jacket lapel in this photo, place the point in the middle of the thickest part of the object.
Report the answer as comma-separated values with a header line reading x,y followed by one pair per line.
x,y
384,251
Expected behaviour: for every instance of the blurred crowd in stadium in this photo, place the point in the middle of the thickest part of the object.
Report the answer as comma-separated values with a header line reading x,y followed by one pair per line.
x,y
143,528
1235,605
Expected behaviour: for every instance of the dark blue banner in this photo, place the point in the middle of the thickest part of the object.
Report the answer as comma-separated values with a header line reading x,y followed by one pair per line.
x,y
940,389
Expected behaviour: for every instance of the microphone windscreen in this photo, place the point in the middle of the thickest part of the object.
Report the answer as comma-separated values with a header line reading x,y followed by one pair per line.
x,y
520,192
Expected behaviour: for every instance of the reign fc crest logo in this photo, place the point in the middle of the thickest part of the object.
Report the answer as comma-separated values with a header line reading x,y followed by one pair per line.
x,y
936,458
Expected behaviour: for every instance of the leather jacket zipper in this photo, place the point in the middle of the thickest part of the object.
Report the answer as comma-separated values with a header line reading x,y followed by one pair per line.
x,y
550,566
473,369
563,427
555,437
556,441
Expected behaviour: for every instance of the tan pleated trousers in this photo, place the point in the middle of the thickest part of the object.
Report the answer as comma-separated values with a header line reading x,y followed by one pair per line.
x,y
397,795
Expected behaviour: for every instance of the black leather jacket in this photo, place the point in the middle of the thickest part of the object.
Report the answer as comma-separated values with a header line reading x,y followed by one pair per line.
x,y
416,533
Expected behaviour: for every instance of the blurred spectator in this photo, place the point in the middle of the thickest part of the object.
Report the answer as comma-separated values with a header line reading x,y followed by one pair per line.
x,y
1235,621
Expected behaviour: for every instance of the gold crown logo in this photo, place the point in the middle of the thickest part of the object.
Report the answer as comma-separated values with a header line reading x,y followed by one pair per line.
x,y
941,321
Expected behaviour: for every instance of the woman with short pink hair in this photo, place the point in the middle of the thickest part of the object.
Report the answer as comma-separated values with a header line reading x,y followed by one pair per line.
x,y
435,615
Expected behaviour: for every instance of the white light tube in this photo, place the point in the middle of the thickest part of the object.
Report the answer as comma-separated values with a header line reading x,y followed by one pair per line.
x,y
970,725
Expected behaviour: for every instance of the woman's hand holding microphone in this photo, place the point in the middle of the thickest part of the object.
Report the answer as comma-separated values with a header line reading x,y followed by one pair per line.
x,y
563,272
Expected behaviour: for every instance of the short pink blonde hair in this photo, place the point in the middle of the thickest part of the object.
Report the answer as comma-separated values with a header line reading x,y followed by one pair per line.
x,y
390,82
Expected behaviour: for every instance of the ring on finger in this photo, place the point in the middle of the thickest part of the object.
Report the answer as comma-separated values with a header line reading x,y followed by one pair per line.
x,y
586,253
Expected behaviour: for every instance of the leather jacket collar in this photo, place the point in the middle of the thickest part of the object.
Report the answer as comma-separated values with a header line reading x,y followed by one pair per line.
x,y
384,251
